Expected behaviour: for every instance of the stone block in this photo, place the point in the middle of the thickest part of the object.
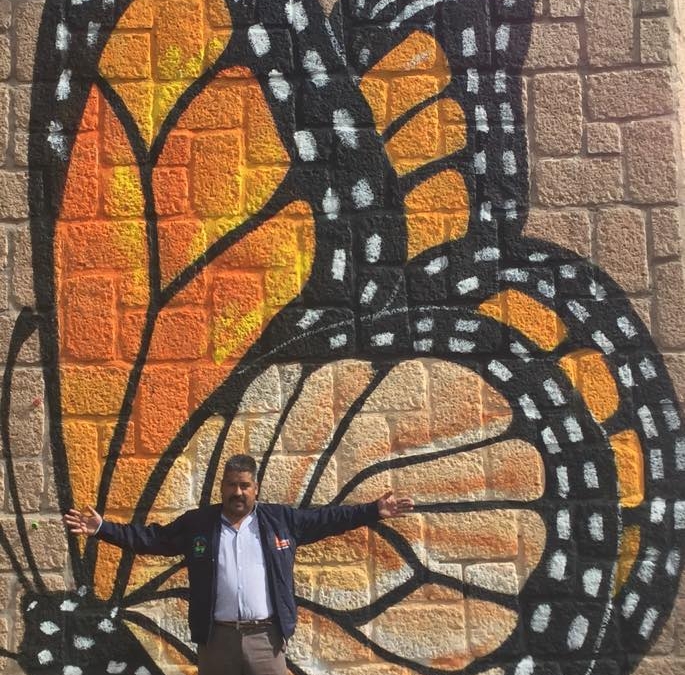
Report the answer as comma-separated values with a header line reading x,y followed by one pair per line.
x,y
499,577
643,307
647,6
13,195
263,395
578,181
666,237
569,229
404,388
562,8
344,587
27,413
27,16
622,247
21,148
669,289
558,113
4,122
30,482
650,151
603,138
5,57
609,29
553,45
655,40
21,278
5,14
21,106
641,92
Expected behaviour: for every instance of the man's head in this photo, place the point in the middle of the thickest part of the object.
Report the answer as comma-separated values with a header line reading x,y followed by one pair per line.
x,y
239,488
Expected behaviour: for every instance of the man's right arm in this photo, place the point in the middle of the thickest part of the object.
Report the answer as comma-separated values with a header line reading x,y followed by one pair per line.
x,y
150,539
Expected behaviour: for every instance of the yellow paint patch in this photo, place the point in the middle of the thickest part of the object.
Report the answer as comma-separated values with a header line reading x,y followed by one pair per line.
x,y
630,468
163,46
123,193
630,547
588,372
525,314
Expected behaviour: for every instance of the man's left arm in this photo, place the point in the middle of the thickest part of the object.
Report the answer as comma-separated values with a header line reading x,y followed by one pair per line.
x,y
310,525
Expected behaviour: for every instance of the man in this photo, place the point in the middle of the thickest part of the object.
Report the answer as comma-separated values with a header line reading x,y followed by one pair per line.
x,y
240,557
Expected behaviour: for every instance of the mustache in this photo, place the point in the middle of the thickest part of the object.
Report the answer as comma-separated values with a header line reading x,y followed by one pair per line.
x,y
237,499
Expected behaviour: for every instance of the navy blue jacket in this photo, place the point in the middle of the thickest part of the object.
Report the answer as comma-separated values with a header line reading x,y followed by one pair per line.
x,y
195,535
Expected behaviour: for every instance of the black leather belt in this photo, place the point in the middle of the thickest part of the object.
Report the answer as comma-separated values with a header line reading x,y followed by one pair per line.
x,y
245,625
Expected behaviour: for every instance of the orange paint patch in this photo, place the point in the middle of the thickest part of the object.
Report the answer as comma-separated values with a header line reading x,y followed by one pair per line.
x,y
518,310
515,471
588,372
630,547
630,468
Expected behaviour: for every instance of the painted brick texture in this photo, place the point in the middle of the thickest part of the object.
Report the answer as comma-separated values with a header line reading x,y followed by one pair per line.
x,y
404,246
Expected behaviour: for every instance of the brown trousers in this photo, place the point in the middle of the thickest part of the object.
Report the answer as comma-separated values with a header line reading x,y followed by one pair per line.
x,y
255,651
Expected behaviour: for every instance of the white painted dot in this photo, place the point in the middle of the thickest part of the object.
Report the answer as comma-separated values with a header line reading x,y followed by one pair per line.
x,y
259,39
296,15
339,264
509,163
338,341
625,374
369,292
590,475
648,566
45,657
142,671
460,346
373,248
556,567
467,285
468,42
362,194
567,272
382,339
436,266
519,350
82,642
486,212
487,254
626,326
595,527
564,525
116,667
647,422
525,666
280,87
63,86
630,604
57,140
546,289
550,440
575,433
500,82
62,37
466,325
670,414
331,204
306,145
530,410
592,580
603,342
554,392
481,119
540,619
648,622
106,626
657,510
673,562
513,274
68,606
647,369
343,124
424,345
656,464
49,627
424,325
578,311
315,68
577,633
71,670
563,486
679,515
507,117
480,163
472,81
500,371
93,33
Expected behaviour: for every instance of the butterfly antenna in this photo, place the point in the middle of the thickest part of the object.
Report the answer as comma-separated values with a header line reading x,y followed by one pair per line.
x,y
25,326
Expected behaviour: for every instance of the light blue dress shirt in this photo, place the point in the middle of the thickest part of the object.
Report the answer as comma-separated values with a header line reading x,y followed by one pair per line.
x,y
242,587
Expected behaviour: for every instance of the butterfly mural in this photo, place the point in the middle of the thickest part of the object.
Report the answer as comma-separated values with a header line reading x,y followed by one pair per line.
x,y
296,230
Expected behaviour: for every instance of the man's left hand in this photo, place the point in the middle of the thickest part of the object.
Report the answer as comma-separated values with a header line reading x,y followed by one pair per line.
x,y
390,506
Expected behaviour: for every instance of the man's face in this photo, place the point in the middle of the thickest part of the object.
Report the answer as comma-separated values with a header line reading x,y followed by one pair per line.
x,y
238,493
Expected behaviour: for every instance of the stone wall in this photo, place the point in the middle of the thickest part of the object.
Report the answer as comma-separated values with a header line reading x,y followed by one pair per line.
x,y
430,246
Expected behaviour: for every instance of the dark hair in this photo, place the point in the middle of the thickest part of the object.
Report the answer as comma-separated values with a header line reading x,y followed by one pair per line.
x,y
242,463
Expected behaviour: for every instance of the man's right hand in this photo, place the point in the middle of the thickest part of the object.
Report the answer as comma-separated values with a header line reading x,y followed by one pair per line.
x,y
82,522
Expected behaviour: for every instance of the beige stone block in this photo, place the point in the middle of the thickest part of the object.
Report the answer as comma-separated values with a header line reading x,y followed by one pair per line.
x,y
404,388
641,92
27,16
663,665
27,413
558,113
622,247
21,280
47,539
651,159
260,434
21,106
499,577
655,6
603,138
609,29
21,148
13,194
30,482
570,229
578,181
562,8
5,14
4,122
669,316
553,45
264,394
666,237
5,57
655,40
344,587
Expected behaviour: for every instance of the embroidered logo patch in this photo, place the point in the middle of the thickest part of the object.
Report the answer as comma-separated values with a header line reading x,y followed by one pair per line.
x,y
199,546
282,544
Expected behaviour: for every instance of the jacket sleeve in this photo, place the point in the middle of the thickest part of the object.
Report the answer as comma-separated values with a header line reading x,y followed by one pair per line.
x,y
152,539
310,525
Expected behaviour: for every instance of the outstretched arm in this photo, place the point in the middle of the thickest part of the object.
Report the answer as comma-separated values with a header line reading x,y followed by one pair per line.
x,y
153,539
310,525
